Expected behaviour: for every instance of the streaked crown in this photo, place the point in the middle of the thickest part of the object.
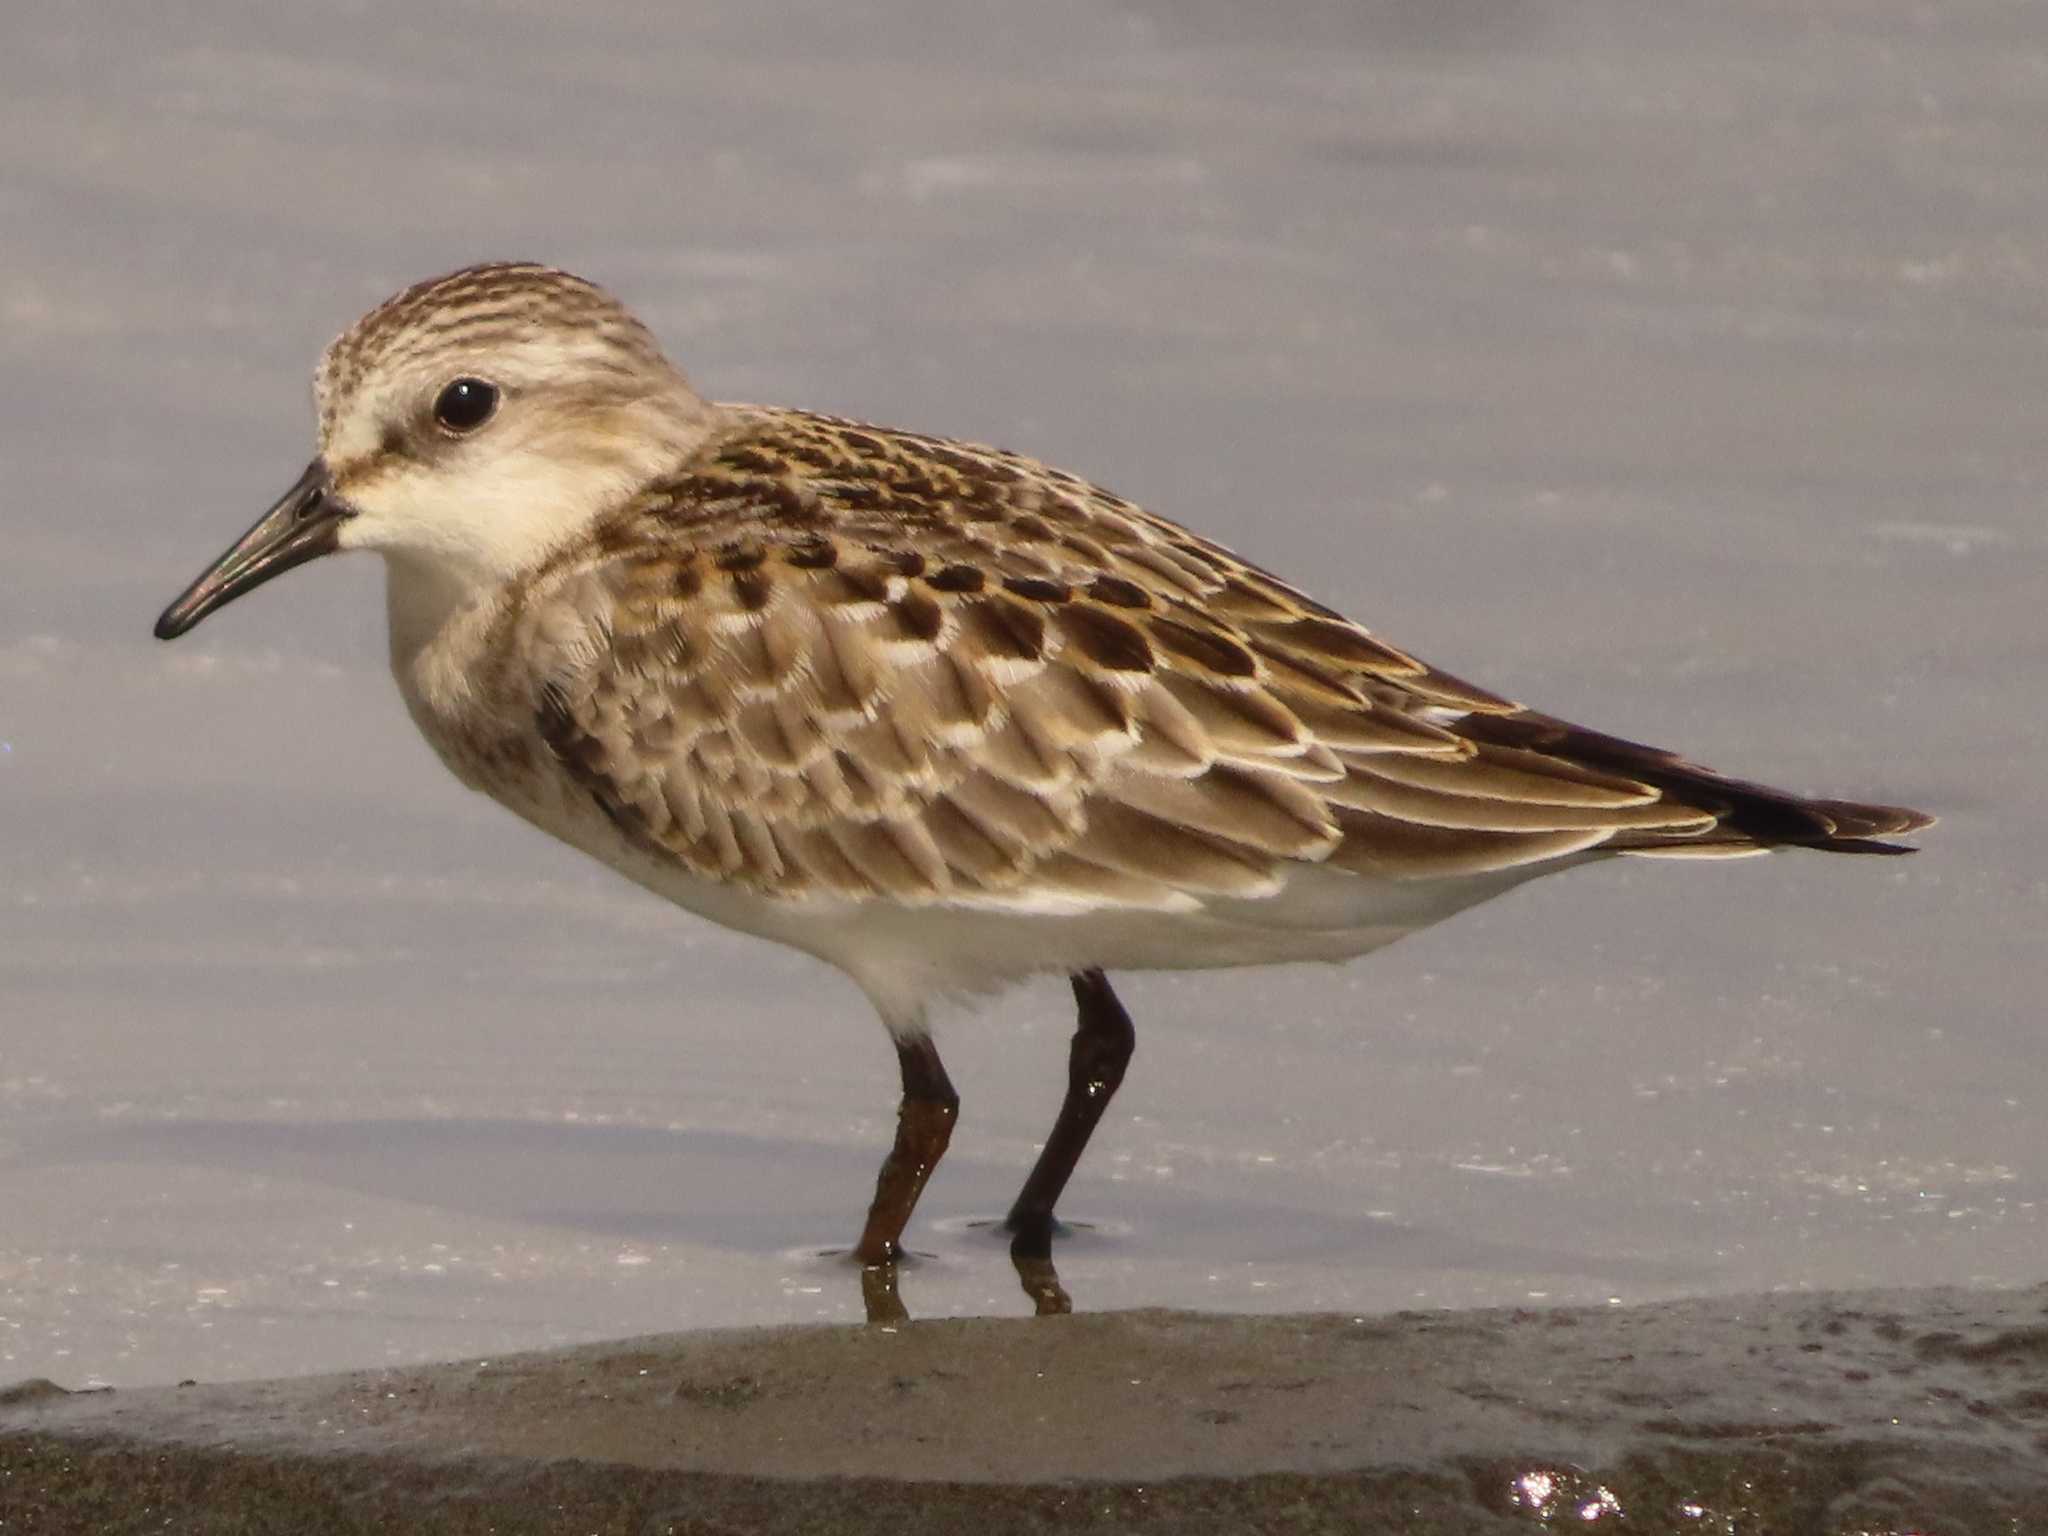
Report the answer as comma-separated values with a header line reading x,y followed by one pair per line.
x,y
476,419
491,309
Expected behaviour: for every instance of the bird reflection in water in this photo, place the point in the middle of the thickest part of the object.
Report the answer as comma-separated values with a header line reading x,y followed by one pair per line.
x,y
883,1301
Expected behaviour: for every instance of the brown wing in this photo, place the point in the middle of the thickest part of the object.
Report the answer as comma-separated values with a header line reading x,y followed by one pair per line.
x,y
829,658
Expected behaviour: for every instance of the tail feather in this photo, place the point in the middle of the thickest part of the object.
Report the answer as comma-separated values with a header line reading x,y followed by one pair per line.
x,y
1749,816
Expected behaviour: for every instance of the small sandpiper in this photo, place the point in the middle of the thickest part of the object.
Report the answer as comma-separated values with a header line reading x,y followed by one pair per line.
x,y
941,715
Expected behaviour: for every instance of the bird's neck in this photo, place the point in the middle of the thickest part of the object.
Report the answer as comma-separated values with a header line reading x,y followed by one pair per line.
x,y
422,597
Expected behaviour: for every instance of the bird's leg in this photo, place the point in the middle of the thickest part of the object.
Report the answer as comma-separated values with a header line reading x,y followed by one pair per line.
x,y
1103,1042
924,1125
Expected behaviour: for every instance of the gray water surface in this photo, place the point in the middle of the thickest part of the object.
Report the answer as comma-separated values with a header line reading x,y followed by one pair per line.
x,y
1680,372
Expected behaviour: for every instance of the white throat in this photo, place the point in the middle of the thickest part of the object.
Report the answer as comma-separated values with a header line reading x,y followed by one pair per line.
x,y
421,597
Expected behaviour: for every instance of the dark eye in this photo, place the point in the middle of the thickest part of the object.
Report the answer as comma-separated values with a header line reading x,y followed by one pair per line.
x,y
465,405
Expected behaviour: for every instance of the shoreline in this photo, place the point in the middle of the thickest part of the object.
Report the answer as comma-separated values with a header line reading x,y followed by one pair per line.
x,y
1863,1410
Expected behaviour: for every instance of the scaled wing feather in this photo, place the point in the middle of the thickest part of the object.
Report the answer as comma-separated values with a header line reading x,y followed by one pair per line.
x,y
825,659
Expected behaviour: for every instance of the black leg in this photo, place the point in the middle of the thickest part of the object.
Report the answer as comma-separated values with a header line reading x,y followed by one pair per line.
x,y
924,1125
1103,1042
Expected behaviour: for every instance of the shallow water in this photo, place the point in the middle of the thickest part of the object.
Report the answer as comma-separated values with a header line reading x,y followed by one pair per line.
x,y
1682,374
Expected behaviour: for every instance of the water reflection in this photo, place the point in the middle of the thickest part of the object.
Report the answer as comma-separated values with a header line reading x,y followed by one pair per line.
x,y
1030,1257
882,1298
879,1297
1041,1283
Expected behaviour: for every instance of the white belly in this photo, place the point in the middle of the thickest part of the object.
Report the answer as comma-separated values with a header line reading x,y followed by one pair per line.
x,y
907,957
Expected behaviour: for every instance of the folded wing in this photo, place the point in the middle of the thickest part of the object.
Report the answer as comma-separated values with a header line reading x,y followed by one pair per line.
x,y
830,660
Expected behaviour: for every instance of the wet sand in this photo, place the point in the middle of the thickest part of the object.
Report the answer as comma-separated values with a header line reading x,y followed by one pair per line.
x,y
1864,1411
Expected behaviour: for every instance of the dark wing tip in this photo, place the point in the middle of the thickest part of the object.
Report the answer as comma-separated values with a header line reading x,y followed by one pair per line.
x,y
1771,818
1856,845
1855,822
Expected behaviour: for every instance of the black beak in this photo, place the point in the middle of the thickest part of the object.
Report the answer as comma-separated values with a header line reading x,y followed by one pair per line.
x,y
304,525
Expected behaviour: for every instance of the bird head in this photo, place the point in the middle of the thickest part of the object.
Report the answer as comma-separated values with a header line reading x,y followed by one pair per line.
x,y
470,425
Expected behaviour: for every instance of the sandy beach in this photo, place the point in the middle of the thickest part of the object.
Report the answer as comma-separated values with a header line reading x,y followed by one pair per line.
x,y
1875,1411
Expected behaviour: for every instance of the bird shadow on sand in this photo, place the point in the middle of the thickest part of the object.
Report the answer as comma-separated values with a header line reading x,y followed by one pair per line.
x,y
764,1196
